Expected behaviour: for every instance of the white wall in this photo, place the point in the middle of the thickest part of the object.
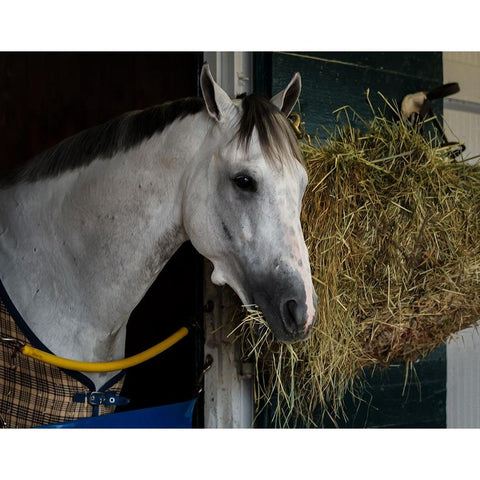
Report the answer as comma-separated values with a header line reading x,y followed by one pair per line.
x,y
462,119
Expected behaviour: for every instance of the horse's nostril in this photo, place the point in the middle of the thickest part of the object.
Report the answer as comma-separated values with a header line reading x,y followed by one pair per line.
x,y
291,307
293,318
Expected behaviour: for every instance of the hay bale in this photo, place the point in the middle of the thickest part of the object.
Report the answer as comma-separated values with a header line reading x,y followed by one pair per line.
x,y
393,230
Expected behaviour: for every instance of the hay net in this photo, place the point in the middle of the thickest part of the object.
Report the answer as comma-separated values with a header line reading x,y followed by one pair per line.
x,y
393,230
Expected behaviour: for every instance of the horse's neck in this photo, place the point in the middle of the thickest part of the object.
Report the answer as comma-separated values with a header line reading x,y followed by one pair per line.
x,y
79,251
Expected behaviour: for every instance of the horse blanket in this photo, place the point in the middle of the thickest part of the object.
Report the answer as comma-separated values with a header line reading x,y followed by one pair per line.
x,y
33,393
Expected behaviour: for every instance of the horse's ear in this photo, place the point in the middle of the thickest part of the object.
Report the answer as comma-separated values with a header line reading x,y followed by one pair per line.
x,y
286,99
216,100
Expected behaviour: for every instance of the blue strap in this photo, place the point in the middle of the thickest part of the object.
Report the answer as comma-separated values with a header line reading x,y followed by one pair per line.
x,y
101,398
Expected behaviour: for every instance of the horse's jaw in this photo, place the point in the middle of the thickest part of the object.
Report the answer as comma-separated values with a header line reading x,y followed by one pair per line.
x,y
286,302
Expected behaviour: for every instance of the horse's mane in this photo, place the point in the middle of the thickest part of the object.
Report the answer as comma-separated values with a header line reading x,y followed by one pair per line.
x,y
128,130
103,141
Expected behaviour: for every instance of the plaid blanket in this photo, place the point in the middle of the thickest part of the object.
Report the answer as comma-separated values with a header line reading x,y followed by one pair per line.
x,y
33,393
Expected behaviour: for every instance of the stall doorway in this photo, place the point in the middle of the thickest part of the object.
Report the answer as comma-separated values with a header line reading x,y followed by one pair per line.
x,y
46,97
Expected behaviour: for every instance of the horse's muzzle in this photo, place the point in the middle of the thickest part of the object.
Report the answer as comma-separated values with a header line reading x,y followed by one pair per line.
x,y
291,321
294,319
296,322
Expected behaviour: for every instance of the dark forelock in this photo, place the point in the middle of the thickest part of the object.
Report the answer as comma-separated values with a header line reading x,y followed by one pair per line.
x,y
277,139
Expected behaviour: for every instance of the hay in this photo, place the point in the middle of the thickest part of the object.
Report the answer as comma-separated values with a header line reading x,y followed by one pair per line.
x,y
393,230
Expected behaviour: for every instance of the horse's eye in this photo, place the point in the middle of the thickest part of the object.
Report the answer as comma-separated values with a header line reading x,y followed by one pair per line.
x,y
245,182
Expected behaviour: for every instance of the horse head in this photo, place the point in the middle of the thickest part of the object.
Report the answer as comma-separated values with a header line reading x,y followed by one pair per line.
x,y
242,206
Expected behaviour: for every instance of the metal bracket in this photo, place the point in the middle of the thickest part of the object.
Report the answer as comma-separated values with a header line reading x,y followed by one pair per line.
x,y
415,107
419,103
207,365
299,127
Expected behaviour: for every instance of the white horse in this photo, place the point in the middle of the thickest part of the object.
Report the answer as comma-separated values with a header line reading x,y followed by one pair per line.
x,y
86,227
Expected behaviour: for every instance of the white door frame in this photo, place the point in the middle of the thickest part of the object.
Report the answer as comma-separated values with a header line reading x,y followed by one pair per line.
x,y
228,385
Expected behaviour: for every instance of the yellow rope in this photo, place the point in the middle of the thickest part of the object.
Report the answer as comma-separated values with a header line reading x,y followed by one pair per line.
x,y
105,366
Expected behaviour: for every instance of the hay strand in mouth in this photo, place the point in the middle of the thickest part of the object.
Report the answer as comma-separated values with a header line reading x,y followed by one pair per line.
x,y
392,226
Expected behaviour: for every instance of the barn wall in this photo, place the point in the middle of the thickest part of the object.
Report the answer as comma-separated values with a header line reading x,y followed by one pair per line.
x,y
332,80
